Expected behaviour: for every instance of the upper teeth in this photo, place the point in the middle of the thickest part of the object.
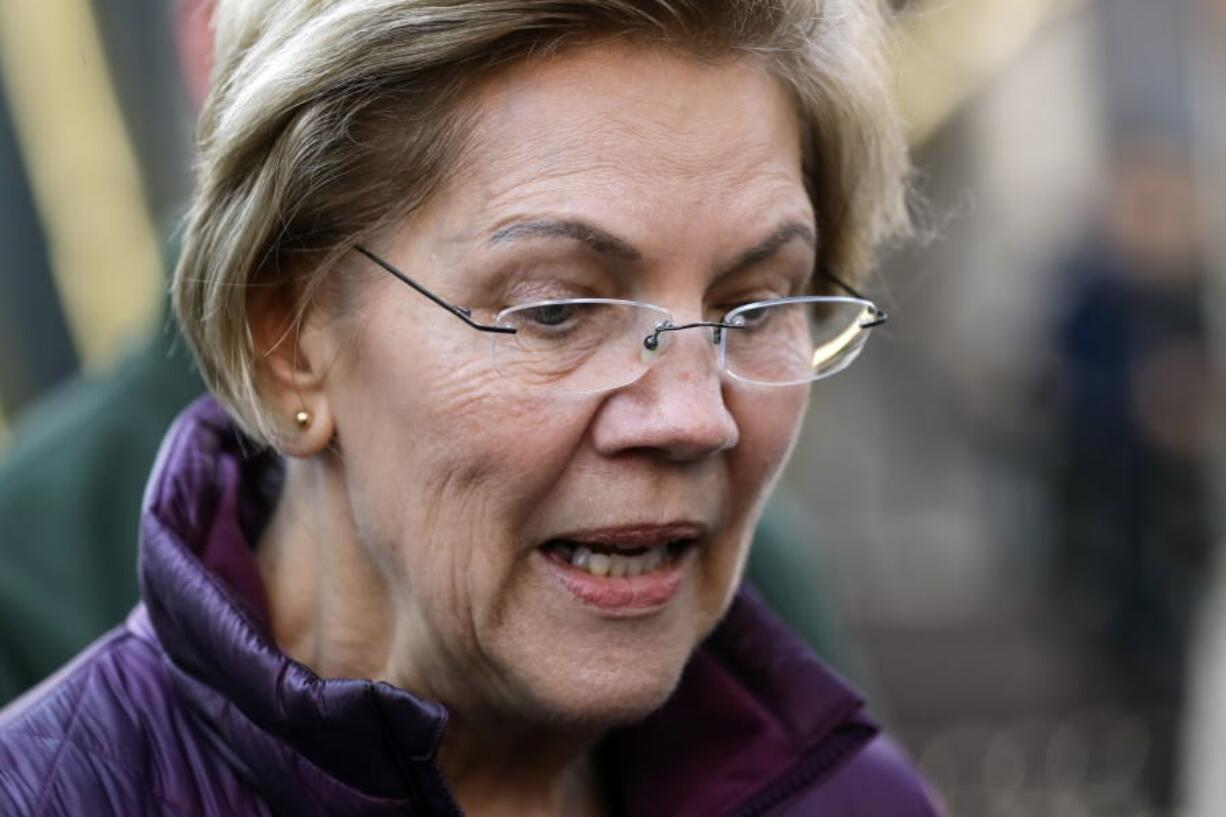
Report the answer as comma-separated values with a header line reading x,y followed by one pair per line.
x,y
618,564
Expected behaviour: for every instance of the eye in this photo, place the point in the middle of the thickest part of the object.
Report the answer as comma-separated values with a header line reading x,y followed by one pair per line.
x,y
550,314
733,304
751,318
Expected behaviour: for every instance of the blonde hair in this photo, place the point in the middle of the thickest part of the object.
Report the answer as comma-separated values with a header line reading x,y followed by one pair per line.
x,y
331,120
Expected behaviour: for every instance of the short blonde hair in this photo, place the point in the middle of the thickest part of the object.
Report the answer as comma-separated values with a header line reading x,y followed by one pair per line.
x,y
331,120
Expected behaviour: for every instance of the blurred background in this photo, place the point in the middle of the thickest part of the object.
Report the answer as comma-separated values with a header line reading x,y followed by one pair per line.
x,y
1017,495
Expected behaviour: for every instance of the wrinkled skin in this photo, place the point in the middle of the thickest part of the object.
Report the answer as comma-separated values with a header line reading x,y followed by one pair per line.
x,y
406,544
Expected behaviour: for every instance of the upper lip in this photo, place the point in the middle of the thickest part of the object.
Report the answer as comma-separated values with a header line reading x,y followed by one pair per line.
x,y
638,535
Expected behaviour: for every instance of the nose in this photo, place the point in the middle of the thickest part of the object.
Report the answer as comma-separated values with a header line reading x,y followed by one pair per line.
x,y
677,409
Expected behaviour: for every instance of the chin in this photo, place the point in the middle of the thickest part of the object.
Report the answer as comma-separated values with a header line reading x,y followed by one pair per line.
x,y
606,695
614,680
569,663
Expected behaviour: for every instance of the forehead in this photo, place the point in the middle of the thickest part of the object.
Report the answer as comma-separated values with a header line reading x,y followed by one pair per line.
x,y
636,138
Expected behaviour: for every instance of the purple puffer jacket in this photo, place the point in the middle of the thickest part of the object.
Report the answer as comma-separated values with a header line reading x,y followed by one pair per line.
x,y
189,708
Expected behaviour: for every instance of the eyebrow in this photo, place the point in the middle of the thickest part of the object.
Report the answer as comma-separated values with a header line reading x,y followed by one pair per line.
x,y
594,238
606,243
787,232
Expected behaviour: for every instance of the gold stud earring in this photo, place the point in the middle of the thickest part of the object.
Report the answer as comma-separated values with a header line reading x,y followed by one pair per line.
x,y
303,419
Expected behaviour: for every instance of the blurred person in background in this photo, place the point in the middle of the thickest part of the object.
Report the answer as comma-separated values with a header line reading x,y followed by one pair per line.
x,y
72,478
1136,395
397,564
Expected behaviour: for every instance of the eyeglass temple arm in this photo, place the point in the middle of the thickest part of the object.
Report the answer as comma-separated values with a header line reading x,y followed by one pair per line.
x,y
879,315
461,312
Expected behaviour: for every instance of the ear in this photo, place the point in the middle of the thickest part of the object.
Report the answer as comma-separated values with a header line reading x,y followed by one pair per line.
x,y
292,362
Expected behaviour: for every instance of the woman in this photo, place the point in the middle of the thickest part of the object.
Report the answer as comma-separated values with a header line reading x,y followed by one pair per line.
x,y
510,311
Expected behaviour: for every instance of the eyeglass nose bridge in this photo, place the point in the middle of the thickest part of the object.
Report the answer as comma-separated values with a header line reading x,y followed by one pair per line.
x,y
652,342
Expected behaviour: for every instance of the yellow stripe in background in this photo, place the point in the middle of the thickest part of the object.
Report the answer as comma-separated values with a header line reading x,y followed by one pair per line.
x,y
86,182
950,49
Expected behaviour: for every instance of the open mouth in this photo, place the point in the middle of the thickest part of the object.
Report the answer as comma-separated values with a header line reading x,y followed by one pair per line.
x,y
615,561
624,571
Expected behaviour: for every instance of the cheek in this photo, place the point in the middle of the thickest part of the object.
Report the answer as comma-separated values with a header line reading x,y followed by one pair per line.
x,y
445,462
770,425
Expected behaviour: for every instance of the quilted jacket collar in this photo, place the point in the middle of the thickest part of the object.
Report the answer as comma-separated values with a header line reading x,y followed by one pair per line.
x,y
752,701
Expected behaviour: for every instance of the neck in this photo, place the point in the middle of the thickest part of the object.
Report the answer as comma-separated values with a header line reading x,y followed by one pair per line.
x,y
329,605
500,769
333,608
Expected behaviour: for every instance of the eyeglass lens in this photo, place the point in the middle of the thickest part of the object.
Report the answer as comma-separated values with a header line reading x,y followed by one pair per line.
x,y
593,346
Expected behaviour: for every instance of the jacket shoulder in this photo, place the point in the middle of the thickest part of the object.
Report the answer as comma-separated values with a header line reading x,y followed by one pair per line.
x,y
880,781
105,736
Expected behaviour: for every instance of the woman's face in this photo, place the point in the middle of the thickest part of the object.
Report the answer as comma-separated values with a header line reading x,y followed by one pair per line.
x,y
607,171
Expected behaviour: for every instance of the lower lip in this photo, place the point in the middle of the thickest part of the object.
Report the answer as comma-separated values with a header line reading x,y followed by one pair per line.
x,y
622,596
